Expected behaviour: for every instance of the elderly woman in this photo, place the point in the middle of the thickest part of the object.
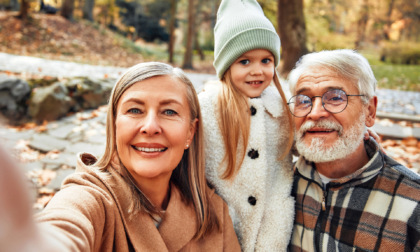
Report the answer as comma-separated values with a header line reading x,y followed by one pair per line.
x,y
148,191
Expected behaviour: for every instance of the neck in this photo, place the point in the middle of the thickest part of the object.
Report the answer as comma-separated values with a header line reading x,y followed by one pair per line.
x,y
156,190
346,166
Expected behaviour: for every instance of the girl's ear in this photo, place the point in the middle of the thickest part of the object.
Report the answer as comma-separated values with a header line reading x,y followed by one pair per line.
x,y
371,115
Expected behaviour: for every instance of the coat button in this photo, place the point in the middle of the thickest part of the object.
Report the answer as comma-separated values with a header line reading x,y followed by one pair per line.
x,y
253,154
252,200
253,110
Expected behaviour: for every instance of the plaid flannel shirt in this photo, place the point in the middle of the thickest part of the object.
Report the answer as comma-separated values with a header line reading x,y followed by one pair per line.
x,y
374,209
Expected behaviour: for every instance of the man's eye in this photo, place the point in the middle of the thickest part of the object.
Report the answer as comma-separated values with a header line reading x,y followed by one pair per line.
x,y
244,62
170,112
335,99
134,111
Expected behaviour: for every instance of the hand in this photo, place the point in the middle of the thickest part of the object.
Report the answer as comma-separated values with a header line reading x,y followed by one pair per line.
x,y
371,133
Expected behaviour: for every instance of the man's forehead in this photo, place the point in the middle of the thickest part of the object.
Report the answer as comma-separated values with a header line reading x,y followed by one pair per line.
x,y
322,78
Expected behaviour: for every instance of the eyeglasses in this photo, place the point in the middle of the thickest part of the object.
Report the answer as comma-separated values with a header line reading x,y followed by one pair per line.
x,y
333,101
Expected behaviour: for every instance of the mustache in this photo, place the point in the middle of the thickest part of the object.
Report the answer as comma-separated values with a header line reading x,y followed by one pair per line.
x,y
327,124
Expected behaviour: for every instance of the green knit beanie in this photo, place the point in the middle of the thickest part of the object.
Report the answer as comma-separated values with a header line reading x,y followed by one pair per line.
x,y
241,26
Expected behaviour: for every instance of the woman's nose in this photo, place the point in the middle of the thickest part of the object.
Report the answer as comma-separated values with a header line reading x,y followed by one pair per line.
x,y
151,125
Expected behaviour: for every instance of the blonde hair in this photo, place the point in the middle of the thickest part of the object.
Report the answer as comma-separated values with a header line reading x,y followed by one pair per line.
x,y
189,175
234,111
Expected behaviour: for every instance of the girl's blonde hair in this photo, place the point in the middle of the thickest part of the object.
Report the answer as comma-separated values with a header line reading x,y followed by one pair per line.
x,y
234,123
189,175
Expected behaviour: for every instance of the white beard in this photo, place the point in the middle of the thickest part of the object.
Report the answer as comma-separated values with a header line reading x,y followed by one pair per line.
x,y
346,143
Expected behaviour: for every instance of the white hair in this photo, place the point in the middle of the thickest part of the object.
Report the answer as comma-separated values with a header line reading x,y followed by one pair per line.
x,y
347,63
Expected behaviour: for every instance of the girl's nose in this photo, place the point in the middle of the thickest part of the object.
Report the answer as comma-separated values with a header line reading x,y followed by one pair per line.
x,y
256,70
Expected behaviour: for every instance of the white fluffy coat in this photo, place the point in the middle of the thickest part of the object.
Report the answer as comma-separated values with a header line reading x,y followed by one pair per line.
x,y
267,225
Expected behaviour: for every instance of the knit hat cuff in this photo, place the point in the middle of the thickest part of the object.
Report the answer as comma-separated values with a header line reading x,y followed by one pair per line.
x,y
247,40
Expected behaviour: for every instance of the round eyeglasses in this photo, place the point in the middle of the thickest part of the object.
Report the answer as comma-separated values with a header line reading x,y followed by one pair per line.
x,y
333,101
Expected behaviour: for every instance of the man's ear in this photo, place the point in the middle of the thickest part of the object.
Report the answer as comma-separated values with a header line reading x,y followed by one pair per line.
x,y
371,115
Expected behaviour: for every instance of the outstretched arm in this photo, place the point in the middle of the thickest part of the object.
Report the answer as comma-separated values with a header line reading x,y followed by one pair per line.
x,y
18,231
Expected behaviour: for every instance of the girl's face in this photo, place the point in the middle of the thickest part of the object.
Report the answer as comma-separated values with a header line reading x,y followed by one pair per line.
x,y
252,72
153,128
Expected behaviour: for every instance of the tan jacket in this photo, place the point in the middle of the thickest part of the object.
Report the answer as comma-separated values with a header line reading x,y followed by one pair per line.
x,y
90,213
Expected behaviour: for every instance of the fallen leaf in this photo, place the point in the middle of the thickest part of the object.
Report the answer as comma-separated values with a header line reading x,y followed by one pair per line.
x,y
410,141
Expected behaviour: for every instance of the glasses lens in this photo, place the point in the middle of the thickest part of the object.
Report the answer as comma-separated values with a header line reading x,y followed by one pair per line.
x,y
300,105
335,101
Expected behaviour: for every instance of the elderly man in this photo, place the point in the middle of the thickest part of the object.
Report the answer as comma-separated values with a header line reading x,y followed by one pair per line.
x,y
349,195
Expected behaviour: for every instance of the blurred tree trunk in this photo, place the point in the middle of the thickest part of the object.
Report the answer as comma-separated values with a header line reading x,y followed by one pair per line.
x,y
172,21
190,37
198,20
292,30
88,9
14,5
67,9
388,19
361,24
24,9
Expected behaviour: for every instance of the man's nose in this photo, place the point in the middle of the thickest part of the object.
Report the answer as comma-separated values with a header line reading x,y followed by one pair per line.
x,y
318,111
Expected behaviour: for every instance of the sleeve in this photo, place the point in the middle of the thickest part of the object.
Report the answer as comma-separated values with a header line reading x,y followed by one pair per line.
x,y
75,217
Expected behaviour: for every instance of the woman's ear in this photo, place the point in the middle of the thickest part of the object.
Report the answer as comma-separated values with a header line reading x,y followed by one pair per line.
x,y
191,132
371,115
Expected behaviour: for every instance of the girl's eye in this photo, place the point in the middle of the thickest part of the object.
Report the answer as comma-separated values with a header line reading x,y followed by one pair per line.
x,y
244,62
134,111
170,112
265,61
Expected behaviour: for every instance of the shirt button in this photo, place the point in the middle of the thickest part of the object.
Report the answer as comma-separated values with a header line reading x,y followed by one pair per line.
x,y
253,154
253,110
252,200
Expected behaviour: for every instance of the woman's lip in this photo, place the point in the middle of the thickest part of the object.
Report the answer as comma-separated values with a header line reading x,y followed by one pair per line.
x,y
149,150
149,145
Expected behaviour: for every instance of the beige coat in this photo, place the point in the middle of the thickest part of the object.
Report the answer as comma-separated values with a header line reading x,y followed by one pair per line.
x,y
90,213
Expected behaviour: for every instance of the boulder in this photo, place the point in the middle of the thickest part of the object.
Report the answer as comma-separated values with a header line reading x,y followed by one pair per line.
x,y
89,92
13,96
50,103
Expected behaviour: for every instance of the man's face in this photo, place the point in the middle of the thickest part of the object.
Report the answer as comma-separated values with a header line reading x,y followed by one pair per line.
x,y
322,136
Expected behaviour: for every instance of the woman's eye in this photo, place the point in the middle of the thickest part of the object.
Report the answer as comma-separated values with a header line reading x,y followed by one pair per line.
x,y
134,111
265,61
244,62
170,112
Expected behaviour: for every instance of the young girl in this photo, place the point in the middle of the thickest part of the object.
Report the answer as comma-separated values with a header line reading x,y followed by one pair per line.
x,y
248,128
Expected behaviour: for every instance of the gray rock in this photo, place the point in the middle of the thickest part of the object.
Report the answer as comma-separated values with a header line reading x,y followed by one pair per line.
x,y
63,159
13,95
95,149
46,143
62,131
50,103
89,92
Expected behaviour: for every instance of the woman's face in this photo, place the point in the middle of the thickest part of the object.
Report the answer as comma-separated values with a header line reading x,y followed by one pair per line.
x,y
153,128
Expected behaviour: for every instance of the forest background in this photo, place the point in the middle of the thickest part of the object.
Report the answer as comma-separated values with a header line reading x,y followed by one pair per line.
x,y
124,32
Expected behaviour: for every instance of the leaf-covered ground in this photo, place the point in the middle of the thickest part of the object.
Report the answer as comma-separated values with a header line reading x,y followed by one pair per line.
x,y
53,37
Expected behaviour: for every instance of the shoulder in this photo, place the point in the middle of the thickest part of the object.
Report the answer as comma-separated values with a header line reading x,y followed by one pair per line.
x,y
210,92
398,169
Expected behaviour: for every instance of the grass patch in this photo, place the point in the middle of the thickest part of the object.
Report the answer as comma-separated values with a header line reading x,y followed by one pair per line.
x,y
394,76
